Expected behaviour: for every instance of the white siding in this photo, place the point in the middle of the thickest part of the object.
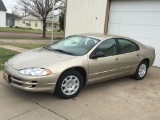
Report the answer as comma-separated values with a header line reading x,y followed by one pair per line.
x,y
2,19
85,16
17,24
138,19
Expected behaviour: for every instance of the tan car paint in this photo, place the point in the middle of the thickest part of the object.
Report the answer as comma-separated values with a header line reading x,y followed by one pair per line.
x,y
128,62
96,69
103,68
39,57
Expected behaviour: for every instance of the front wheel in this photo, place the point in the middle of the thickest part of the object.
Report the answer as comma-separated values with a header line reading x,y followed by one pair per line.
x,y
141,70
69,84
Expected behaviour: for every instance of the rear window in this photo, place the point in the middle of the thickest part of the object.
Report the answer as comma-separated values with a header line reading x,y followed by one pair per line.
x,y
127,46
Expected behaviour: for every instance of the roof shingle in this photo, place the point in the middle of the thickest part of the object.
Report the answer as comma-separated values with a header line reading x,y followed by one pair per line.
x,y
9,15
2,6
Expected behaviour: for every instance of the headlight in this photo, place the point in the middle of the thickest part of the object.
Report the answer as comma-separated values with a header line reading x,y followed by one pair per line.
x,y
35,72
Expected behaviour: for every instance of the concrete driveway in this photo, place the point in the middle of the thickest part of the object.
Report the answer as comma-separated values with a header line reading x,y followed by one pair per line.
x,y
119,99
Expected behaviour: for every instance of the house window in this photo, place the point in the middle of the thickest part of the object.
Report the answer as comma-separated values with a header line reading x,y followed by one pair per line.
x,y
49,25
54,25
36,24
23,22
29,24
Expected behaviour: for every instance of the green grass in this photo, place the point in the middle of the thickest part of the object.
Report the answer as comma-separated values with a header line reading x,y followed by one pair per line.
x,y
27,38
29,46
26,46
27,30
5,54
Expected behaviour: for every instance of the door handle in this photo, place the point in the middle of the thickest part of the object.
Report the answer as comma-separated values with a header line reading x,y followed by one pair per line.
x,y
138,54
117,59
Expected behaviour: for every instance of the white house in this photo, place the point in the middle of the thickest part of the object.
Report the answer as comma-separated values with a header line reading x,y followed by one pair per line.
x,y
12,20
138,19
2,14
34,23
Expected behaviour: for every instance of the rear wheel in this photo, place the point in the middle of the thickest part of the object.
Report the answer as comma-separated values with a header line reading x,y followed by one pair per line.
x,y
141,70
69,84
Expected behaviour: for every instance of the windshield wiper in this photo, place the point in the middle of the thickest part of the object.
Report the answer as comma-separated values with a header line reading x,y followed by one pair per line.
x,y
47,47
62,51
58,50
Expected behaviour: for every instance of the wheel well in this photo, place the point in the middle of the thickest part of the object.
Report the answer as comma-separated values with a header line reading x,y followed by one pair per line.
x,y
82,71
146,60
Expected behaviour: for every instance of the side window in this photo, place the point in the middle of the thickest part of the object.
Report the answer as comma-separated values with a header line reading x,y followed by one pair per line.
x,y
108,47
127,46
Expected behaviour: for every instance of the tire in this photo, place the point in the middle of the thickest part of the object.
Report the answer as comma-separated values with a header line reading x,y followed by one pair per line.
x,y
141,71
69,84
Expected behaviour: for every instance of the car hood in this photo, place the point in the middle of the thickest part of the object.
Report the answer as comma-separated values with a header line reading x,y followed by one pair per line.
x,y
39,57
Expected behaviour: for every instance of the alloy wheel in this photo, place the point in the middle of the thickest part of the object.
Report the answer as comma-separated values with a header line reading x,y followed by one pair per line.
x,y
70,85
142,70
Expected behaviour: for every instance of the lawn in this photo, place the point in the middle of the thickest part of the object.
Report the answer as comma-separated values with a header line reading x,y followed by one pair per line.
x,y
25,46
28,38
29,46
27,30
5,54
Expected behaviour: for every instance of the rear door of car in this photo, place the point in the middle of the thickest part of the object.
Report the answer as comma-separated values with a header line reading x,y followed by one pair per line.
x,y
129,56
106,67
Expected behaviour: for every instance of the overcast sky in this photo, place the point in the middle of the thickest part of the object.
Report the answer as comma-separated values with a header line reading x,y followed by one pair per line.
x,y
9,4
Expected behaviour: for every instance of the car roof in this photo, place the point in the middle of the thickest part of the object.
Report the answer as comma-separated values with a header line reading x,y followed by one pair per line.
x,y
101,36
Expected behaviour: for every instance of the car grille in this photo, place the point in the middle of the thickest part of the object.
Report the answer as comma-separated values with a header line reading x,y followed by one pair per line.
x,y
22,83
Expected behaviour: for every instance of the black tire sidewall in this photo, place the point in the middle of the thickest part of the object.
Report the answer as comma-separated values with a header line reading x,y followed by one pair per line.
x,y
137,71
59,91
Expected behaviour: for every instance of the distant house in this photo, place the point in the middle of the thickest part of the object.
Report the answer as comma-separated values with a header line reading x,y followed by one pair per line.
x,y
12,20
2,14
34,23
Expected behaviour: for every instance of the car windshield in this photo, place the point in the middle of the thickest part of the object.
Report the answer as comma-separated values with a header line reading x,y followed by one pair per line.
x,y
74,45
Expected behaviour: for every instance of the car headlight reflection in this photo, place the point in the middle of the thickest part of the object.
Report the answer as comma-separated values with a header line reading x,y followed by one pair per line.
x,y
35,72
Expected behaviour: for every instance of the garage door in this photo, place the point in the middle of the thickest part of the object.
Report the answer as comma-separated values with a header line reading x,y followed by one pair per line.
x,y
138,19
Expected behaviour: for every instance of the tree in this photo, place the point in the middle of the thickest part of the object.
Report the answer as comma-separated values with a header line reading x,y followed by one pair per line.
x,y
61,21
15,12
20,13
40,9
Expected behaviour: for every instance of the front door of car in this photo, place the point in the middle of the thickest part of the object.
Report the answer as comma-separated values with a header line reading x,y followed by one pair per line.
x,y
104,67
129,56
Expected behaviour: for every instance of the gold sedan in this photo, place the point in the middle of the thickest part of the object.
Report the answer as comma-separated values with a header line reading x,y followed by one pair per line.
x,y
76,61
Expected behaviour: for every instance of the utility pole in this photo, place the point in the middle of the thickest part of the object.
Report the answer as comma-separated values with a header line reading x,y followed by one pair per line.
x,y
52,24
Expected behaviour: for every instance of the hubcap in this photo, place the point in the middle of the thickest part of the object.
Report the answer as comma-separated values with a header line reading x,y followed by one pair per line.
x,y
70,85
142,70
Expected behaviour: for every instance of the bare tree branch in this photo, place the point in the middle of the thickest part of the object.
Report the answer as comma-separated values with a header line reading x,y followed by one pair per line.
x,y
40,8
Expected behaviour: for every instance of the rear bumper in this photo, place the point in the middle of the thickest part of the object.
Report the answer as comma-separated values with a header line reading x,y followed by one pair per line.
x,y
31,83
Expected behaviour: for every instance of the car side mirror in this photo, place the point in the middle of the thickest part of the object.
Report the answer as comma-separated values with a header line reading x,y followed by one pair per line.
x,y
96,55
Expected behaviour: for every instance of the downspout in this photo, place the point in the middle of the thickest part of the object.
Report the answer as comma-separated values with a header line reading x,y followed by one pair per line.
x,y
107,17
65,18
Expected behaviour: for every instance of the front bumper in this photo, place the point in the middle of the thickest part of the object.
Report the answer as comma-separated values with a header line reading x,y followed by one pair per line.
x,y
31,83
